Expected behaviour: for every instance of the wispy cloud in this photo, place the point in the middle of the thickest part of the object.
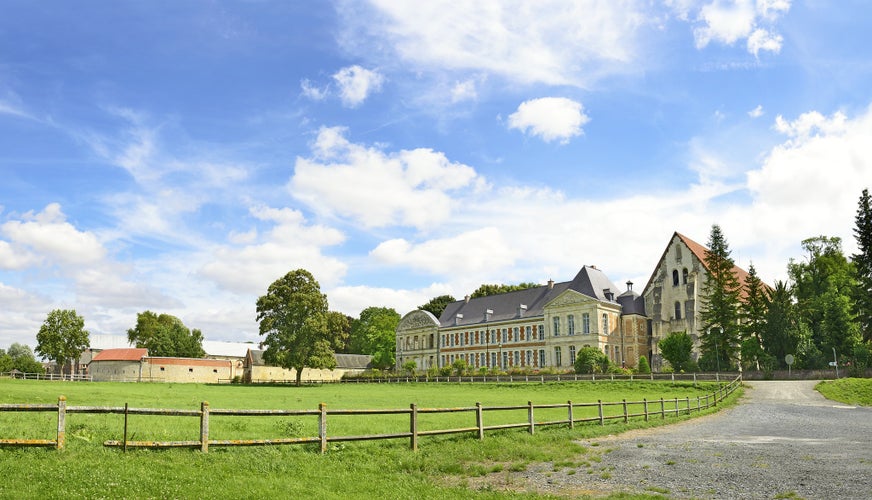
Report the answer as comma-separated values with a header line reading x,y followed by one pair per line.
x,y
356,84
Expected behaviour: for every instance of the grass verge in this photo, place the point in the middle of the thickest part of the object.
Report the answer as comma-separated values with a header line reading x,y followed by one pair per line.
x,y
854,391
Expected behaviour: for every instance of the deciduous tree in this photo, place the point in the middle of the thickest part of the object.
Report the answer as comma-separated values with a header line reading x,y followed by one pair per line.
x,y
294,319
374,333
591,360
23,359
166,335
676,348
437,304
486,290
62,336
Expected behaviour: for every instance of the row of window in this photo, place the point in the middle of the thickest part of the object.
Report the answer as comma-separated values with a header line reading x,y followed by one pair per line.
x,y
675,277
505,359
494,337
585,324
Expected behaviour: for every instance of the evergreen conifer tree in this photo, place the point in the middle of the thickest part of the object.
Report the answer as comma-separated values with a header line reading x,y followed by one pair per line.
x,y
719,335
752,311
863,265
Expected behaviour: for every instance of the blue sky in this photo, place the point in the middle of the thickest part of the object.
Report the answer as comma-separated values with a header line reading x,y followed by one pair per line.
x,y
181,156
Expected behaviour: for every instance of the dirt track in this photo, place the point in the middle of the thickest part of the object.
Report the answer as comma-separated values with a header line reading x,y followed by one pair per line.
x,y
783,439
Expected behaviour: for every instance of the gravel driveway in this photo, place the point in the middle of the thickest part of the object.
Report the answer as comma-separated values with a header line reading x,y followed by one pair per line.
x,y
784,440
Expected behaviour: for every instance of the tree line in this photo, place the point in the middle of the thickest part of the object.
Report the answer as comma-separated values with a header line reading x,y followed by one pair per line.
x,y
821,314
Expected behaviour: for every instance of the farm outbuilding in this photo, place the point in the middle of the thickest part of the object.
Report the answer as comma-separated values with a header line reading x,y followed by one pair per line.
x,y
256,370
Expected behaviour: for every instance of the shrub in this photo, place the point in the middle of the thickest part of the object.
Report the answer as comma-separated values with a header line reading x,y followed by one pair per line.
x,y
643,367
591,360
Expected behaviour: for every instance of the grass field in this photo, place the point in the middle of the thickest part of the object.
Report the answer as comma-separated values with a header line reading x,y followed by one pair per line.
x,y
386,469
855,391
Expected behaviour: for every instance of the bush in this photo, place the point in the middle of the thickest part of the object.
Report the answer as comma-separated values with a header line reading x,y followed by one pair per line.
x,y
643,367
591,360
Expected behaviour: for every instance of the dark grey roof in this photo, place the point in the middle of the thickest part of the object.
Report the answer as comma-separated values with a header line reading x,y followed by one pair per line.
x,y
347,361
631,303
589,281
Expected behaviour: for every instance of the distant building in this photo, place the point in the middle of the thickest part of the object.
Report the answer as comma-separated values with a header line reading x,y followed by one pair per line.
x,y
135,365
536,328
117,365
256,370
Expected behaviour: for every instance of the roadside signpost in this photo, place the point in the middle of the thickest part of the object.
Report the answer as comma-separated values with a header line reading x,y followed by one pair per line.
x,y
789,360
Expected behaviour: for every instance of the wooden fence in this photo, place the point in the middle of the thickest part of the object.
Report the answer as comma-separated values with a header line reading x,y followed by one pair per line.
x,y
538,378
626,410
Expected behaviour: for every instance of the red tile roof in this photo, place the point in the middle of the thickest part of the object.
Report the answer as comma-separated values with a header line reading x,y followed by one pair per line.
x,y
128,354
188,361
701,252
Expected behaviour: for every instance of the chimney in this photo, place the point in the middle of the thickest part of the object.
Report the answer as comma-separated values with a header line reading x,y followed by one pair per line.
x,y
550,284
466,299
457,319
522,309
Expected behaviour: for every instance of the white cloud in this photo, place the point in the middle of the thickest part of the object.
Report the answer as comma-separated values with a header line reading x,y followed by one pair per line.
x,y
291,243
811,124
551,42
377,189
356,84
311,91
728,22
467,252
464,91
550,118
47,235
756,112
22,315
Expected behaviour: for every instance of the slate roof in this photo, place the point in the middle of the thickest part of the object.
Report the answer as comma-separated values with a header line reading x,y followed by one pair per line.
x,y
589,281
128,354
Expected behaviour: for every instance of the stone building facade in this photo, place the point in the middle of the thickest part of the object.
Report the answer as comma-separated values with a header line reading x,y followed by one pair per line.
x,y
536,328
672,295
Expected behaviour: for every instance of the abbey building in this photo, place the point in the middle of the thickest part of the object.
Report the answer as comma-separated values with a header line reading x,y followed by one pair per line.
x,y
545,326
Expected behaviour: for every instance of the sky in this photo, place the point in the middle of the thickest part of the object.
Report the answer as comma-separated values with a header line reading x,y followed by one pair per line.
x,y
179,157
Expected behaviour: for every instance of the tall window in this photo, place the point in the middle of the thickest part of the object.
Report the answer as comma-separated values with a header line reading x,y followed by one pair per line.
x,y
557,360
505,359
541,332
585,323
505,335
675,277
529,331
605,324
684,276
529,358
677,310
572,355
570,324
541,358
556,329
517,359
517,334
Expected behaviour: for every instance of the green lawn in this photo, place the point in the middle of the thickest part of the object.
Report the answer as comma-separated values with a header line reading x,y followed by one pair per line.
x,y
386,469
855,391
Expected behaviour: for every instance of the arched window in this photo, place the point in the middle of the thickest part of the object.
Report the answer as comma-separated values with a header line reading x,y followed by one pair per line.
x,y
677,310
684,276
675,277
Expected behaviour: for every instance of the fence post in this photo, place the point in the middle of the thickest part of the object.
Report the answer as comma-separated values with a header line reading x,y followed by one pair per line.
x,y
322,426
124,446
688,404
662,409
479,421
571,420
413,427
204,426
673,378
694,379
62,422
530,415
677,412
602,419
626,416
645,403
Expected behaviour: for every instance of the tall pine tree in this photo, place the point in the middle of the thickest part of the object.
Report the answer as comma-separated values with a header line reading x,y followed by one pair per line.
x,y
863,265
752,311
719,336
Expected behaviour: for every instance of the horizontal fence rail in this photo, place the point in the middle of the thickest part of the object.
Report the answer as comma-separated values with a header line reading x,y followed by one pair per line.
x,y
626,410
535,378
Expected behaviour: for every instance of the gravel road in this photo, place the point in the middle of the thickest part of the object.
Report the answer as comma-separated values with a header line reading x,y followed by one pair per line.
x,y
784,440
